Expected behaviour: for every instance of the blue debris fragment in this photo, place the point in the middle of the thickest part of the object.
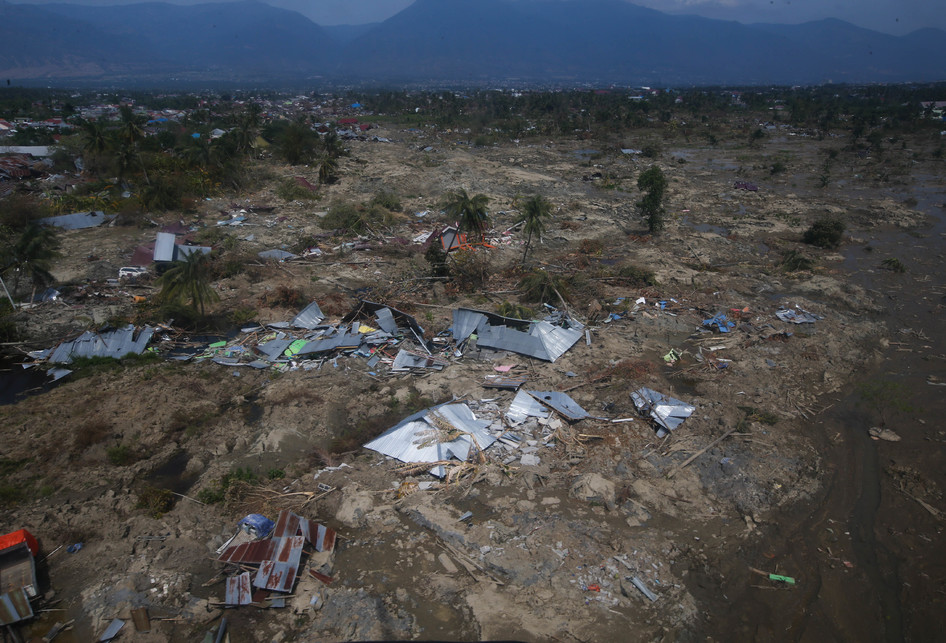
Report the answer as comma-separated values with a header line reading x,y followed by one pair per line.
x,y
720,322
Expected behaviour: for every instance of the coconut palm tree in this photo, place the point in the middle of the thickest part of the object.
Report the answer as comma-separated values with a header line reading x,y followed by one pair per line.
x,y
469,211
31,255
188,283
534,211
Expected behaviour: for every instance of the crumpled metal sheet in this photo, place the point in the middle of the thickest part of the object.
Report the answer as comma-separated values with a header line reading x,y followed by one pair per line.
x,y
524,406
465,321
116,344
415,438
406,360
797,316
561,402
666,411
309,317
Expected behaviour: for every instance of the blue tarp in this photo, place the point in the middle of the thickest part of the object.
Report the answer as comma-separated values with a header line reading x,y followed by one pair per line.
x,y
720,322
257,525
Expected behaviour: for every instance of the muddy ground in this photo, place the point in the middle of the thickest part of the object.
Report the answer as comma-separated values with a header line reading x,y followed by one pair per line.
x,y
550,547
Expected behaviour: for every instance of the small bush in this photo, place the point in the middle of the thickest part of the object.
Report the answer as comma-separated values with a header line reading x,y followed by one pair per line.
x,y
121,455
92,432
591,247
542,286
387,200
824,233
436,258
156,502
470,269
893,264
637,276
516,311
217,492
285,296
793,261
291,190
275,474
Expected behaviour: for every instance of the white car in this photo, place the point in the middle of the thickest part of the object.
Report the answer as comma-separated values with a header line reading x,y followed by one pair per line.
x,y
132,272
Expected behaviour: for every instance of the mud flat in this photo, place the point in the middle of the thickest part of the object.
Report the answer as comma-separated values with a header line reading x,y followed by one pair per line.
x,y
774,471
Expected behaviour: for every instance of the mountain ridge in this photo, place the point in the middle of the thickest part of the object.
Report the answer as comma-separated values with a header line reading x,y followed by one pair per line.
x,y
453,41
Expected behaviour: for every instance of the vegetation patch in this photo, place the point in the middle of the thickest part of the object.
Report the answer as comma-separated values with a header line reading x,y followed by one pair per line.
x,y
824,233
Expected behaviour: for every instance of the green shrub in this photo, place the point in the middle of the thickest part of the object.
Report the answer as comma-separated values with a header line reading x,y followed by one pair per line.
x,y
156,502
824,233
542,286
121,455
893,264
793,261
387,200
291,190
637,276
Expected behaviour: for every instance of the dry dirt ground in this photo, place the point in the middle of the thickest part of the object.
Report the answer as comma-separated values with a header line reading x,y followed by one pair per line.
x,y
550,547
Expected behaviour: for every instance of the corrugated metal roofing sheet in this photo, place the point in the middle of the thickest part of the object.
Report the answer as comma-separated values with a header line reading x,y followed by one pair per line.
x,y
252,553
386,320
278,255
324,344
525,406
164,247
182,252
556,340
561,402
15,607
407,360
465,321
274,349
415,439
77,220
666,411
279,574
116,343
309,317
239,590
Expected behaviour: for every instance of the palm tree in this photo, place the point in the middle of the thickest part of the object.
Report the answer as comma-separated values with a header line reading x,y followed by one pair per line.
x,y
328,169
129,134
94,142
469,211
31,255
188,283
534,211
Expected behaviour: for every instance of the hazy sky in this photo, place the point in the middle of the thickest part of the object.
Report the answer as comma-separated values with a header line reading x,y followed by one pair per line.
x,y
890,16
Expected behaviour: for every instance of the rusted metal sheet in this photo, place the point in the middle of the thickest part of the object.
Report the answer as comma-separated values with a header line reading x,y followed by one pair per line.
x,y
321,537
279,574
15,607
252,553
239,590
290,524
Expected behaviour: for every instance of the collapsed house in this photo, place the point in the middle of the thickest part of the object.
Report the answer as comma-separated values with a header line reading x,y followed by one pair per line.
x,y
278,552
539,339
